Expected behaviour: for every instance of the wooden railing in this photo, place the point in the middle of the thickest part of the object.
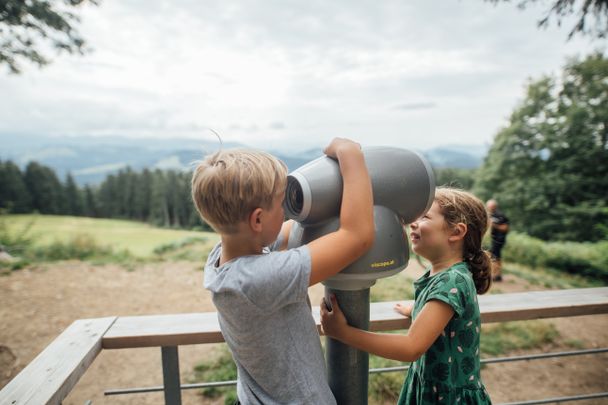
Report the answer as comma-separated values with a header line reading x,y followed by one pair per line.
x,y
55,371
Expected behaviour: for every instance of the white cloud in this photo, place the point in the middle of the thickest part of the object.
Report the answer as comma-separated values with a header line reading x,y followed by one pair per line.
x,y
275,73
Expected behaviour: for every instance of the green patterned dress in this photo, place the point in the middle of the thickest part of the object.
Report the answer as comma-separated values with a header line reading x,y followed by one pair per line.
x,y
448,373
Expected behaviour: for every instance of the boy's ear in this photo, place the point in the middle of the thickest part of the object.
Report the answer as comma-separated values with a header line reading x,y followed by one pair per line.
x,y
458,232
255,220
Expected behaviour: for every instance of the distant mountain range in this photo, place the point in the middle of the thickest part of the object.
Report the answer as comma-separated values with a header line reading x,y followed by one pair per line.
x,y
91,159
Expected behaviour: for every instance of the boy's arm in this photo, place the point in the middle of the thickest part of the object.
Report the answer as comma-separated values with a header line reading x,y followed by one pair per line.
x,y
333,252
424,331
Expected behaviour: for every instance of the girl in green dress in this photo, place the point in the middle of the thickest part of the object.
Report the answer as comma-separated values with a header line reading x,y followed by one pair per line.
x,y
443,340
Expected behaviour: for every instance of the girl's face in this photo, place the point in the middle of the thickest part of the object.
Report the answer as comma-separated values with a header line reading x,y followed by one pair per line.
x,y
429,234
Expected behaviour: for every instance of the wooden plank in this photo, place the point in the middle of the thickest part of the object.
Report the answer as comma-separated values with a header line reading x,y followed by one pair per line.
x,y
182,329
513,307
163,330
544,304
53,373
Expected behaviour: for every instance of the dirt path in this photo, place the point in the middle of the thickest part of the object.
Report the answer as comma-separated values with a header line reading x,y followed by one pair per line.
x,y
565,376
37,304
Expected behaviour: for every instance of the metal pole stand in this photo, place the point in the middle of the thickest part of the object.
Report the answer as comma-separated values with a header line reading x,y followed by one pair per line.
x,y
171,382
347,367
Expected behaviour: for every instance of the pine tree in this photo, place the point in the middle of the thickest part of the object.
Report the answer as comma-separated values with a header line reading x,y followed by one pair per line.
x,y
45,188
73,197
90,203
14,195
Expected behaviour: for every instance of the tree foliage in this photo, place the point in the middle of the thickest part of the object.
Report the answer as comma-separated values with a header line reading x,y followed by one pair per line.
x,y
592,15
14,195
45,189
29,27
157,197
455,177
549,167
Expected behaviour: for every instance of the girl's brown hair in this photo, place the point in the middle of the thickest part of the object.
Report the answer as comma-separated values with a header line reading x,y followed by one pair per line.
x,y
458,206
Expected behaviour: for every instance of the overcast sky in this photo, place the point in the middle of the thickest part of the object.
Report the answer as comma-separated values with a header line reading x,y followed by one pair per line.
x,y
292,74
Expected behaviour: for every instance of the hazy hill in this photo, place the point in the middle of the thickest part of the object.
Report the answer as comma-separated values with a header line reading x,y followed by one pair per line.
x,y
91,159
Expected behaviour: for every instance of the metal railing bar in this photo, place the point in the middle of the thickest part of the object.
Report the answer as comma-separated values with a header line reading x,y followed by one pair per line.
x,y
160,388
388,369
544,356
371,371
559,399
507,359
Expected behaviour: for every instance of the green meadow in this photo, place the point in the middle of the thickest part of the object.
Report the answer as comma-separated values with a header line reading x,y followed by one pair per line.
x,y
138,239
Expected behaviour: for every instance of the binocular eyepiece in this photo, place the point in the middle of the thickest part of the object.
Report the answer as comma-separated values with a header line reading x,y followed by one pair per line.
x,y
294,198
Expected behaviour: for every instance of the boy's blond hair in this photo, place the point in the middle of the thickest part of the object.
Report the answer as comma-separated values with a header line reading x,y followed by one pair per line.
x,y
228,185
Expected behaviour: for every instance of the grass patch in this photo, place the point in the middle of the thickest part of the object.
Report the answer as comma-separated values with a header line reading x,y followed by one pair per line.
x,y
550,278
219,367
399,287
385,387
191,248
15,238
139,239
576,344
178,244
582,258
497,339
79,247
42,238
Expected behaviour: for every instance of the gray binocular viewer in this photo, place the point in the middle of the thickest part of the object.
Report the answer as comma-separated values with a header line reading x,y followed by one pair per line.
x,y
403,186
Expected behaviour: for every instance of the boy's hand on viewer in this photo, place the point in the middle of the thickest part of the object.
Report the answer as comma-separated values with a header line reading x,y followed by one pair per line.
x,y
337,144
333,322
405,310
332,252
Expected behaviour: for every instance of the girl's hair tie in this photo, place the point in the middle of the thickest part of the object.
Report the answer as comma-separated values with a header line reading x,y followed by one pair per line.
x,y
476,253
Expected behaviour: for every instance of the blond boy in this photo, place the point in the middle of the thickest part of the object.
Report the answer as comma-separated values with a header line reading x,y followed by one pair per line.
x,y
259,288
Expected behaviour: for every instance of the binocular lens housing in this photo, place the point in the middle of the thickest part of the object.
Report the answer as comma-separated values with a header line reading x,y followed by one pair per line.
x,y
402,180
294,197
403,186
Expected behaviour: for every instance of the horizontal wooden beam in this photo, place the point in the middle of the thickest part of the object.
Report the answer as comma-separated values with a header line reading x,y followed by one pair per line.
x,y
512,307
50,377
195,328
163,330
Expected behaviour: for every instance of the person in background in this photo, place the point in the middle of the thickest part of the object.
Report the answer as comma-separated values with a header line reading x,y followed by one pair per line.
x,y
500,227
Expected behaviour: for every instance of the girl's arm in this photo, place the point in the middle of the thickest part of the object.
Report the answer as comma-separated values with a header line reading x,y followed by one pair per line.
x,y
429,324
405,310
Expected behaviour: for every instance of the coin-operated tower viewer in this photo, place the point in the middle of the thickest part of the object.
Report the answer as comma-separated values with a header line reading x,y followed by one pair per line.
x,y
404,187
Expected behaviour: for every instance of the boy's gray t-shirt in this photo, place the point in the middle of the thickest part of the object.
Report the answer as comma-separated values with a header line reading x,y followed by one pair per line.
x,y
266,319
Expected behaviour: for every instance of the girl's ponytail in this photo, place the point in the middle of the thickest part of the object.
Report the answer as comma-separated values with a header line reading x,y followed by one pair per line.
x,y
458,206
481,269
